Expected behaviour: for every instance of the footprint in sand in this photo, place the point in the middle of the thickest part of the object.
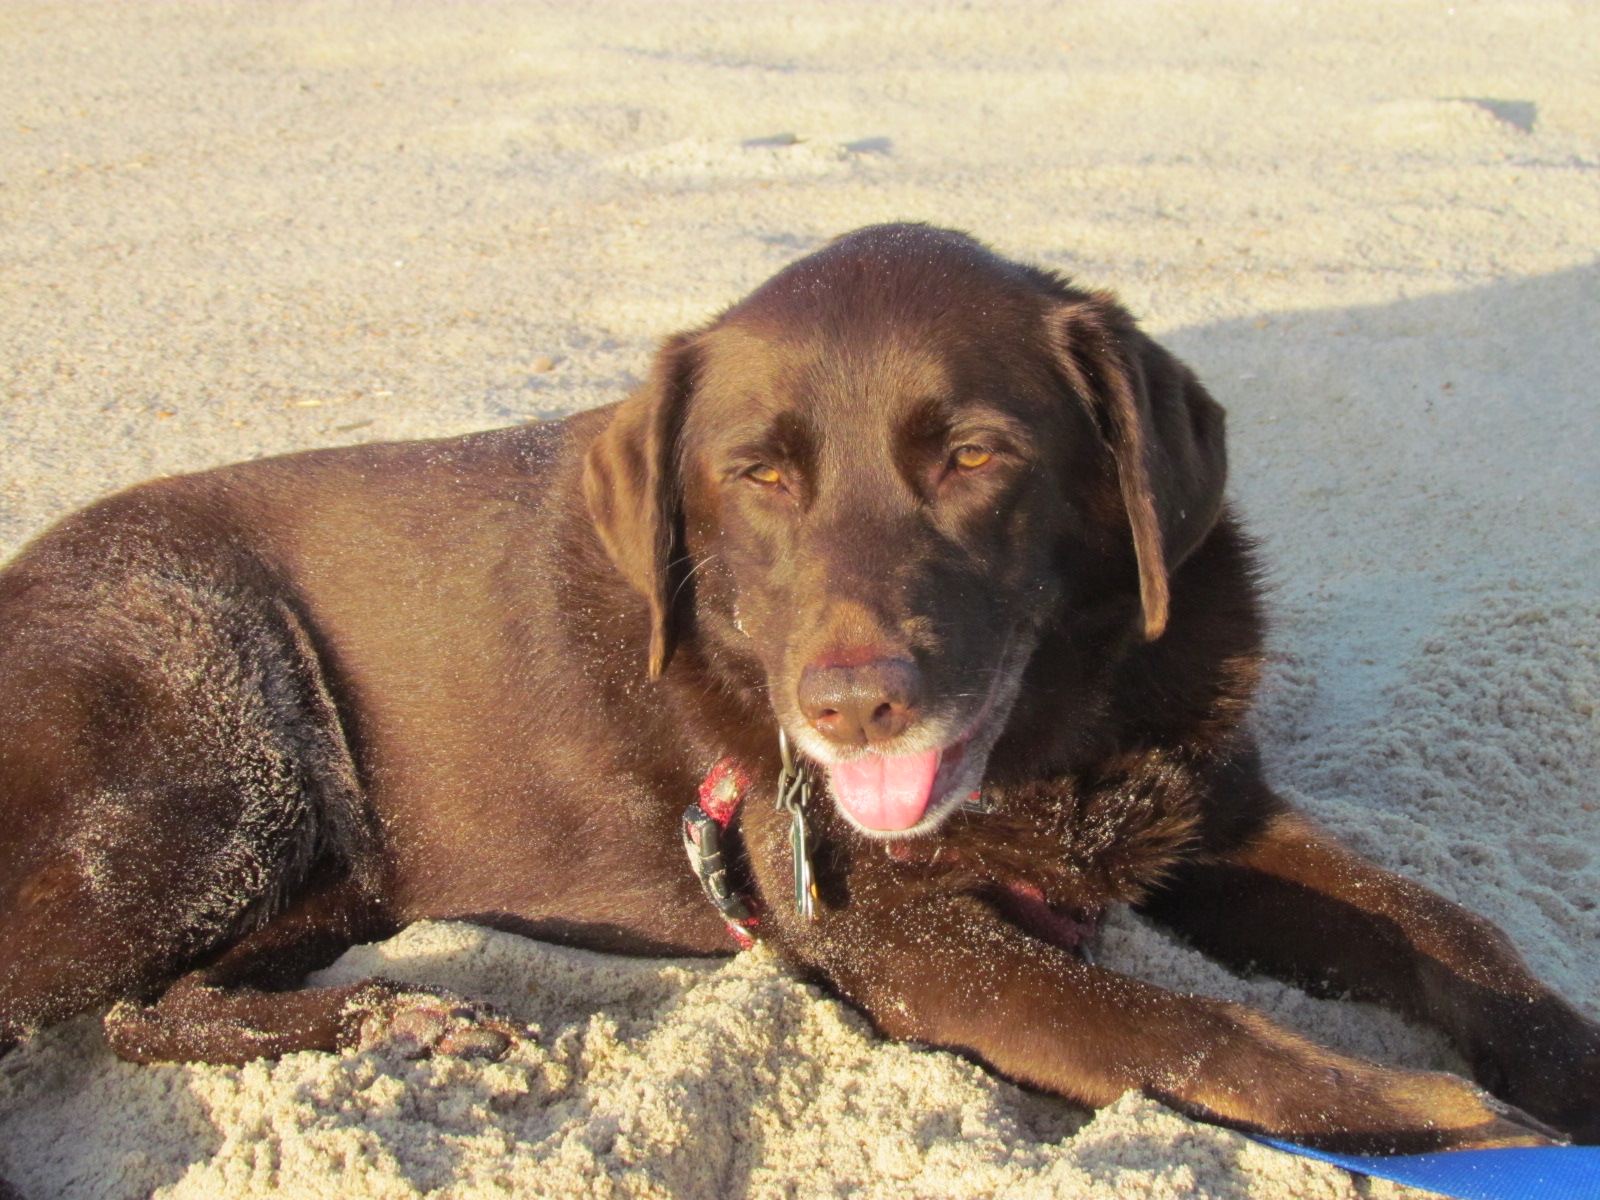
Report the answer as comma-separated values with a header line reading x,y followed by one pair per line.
x,y
770,156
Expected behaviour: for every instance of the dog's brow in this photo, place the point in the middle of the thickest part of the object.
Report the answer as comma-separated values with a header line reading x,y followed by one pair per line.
x,y
985,421
929,418
788,436
937,417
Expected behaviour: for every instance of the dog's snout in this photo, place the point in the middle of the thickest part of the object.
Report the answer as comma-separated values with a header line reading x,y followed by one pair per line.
x,y
861,704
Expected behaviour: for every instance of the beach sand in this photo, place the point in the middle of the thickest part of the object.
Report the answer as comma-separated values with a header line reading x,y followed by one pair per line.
x,y
235,230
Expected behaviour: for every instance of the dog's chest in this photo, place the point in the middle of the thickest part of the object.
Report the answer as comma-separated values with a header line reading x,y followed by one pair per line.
x,y
1074,844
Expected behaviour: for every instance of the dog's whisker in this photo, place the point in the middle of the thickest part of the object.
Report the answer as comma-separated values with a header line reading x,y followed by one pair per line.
x,y
682,583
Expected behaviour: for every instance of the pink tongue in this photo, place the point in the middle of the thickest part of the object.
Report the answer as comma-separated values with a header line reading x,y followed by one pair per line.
x,y
885,793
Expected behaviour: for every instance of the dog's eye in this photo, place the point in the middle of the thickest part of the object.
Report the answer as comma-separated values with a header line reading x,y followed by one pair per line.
x,y
764,475
970,458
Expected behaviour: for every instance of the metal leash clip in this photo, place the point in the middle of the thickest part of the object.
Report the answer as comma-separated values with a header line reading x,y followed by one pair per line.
x,y
794,790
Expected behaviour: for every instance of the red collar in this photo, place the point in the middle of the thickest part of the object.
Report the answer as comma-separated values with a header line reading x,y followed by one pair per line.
x,y
705,825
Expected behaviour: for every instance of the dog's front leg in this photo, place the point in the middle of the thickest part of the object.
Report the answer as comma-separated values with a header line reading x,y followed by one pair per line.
x,y
1295,904
948,970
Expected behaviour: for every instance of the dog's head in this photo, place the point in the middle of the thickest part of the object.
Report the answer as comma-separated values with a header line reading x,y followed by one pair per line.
x,y
868,489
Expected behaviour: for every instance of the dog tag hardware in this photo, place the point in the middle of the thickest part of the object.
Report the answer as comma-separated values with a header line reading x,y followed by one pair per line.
x,y
794,790
977,803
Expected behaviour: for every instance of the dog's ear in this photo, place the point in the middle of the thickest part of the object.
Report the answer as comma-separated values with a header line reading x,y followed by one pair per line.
x,y
1165,434
630,480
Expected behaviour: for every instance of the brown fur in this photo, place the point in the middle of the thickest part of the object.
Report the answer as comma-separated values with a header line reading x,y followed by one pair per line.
x,y
254,715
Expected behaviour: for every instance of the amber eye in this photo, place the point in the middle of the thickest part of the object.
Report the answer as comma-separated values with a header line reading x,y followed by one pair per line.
x,y
764,474
970,458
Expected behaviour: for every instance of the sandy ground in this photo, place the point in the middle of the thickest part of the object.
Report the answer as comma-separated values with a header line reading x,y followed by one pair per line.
x,y
228,231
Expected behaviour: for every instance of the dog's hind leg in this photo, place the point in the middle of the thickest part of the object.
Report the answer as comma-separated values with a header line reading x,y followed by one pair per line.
x,y
248,1005
171,767
240,1007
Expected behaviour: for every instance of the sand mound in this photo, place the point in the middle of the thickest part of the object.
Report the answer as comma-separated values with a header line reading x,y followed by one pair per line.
x,y
649,1079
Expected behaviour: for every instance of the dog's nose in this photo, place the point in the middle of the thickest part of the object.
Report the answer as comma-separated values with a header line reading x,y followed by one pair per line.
x,y
862,704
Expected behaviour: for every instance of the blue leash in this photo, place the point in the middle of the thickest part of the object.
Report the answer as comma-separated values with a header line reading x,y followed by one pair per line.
x,y
1516,1173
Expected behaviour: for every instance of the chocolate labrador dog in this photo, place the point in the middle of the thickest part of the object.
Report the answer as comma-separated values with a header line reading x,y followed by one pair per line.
x,y
931,542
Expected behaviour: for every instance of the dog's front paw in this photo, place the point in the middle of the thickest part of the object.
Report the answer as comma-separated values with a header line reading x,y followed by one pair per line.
x,y
416,1023
1351,1107
1420,1111
1557,1077
1510,1126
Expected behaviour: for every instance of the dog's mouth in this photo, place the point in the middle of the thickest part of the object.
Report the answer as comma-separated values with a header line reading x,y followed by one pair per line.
x,y
909,794
891,793
905,795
